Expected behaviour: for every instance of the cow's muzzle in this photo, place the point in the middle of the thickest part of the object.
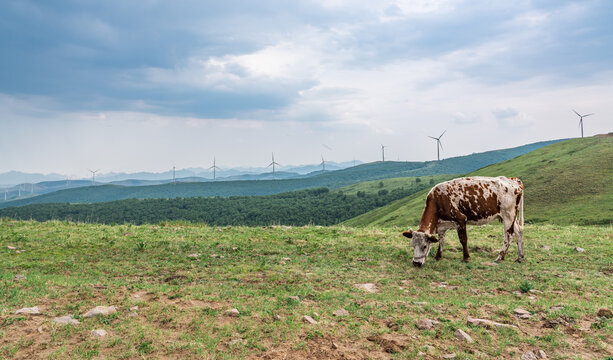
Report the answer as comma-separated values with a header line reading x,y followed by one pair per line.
x,y
417,264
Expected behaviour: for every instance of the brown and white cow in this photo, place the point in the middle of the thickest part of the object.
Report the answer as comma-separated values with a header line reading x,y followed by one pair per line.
x,y
470,201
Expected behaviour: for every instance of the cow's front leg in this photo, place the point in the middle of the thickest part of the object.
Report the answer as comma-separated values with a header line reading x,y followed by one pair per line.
x,y
464,241
441,242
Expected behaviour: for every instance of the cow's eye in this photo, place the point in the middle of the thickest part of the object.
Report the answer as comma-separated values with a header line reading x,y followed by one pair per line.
x,y
423,248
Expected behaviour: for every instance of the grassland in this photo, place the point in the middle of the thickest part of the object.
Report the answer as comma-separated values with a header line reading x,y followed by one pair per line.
x,y
70,268
570,182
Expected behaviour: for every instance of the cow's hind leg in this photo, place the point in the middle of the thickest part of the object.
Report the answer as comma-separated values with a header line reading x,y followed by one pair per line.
x,y
519,237
464,241
508,232
441,242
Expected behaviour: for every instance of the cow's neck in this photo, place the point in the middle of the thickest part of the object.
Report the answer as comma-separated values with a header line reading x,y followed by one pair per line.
x,y
429,220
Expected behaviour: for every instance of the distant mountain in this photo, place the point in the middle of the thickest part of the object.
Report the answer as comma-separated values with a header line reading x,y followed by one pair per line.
x,y
12,178
330,179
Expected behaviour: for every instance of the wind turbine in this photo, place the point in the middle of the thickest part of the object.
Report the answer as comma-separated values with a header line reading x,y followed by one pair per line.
x,y
214,167
93,176
174,178
323,164
438,144
581,120
383,152
273,163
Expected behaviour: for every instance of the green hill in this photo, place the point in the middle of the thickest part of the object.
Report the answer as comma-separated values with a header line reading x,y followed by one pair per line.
x,y
331,180
566,182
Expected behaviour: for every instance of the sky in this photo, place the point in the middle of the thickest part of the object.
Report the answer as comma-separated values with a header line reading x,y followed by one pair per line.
x,y
126,86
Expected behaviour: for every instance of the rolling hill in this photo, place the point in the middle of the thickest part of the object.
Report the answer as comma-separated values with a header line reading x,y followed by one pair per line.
x,y
566,182
332,180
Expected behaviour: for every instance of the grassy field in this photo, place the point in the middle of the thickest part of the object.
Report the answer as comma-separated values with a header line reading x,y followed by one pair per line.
x,y
70,268
570,182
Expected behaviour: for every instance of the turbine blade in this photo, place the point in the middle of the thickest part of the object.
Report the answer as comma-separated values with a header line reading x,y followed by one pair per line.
x,y
442,134
432,137
576,112
588,114
440,144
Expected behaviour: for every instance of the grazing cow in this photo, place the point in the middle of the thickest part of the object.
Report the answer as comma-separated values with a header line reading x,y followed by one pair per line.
x,y
470,201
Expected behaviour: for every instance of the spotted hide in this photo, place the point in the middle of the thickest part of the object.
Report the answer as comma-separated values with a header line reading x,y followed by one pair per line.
x,y
470,201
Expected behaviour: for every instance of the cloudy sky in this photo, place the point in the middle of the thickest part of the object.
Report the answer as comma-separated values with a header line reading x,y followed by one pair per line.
x,y
142,85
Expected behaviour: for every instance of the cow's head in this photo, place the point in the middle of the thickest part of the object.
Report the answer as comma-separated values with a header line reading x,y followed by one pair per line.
x,y
421,243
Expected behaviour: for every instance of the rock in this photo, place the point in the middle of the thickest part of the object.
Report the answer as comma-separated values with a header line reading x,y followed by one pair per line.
x,y
20,277
546,248
234,248
368,287
193,256
232,313
449,356
100,310
429,348
535,291
134,308
286,259
529,356
488,323
521,313
460,334
424,324
540,354
421,353
334,346
474,291
578,249
237,342
99,333
40,329
556,308
214,256
294,298
607,313
340,312
487,263
11,248
393,325
28,311
309,320
532,298
277,318
18,251
66,320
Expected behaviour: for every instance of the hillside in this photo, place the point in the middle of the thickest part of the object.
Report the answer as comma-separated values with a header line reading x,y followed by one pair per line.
x,y
567,182
172,284
332,180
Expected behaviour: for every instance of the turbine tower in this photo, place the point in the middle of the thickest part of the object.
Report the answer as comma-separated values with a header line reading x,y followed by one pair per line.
x,y
94,176
174,178
439,146
383,152
323,164
214,167
273,163
581,120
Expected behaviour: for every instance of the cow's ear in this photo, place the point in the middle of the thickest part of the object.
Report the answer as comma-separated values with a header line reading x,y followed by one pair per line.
x,y
432,238
408,233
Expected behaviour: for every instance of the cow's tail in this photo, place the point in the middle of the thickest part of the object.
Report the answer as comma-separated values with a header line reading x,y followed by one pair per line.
x,y
521,210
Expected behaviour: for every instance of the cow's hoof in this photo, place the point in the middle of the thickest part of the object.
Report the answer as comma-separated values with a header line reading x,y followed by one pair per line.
x,y
466,260
499,259
519,260
437,257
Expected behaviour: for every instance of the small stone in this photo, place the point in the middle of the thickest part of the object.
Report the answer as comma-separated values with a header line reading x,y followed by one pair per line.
x,y
277,318
40,329
474,291
66,320
424,324
449,356
28,311
556,308
286,259
99,333
100,310
421,353
532,298
462,335
214,256
309,320
488,323
20,277
368,287
193,256
535,291
487,263
234,248
578,249
237,342
340,312
529,356
521,313
11,248
134,308
546,248
232,312
18,251
540,354
294,298
334,346
606,313
133,314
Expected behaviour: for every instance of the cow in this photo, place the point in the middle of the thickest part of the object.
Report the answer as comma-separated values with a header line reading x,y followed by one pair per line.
x,y
465,201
